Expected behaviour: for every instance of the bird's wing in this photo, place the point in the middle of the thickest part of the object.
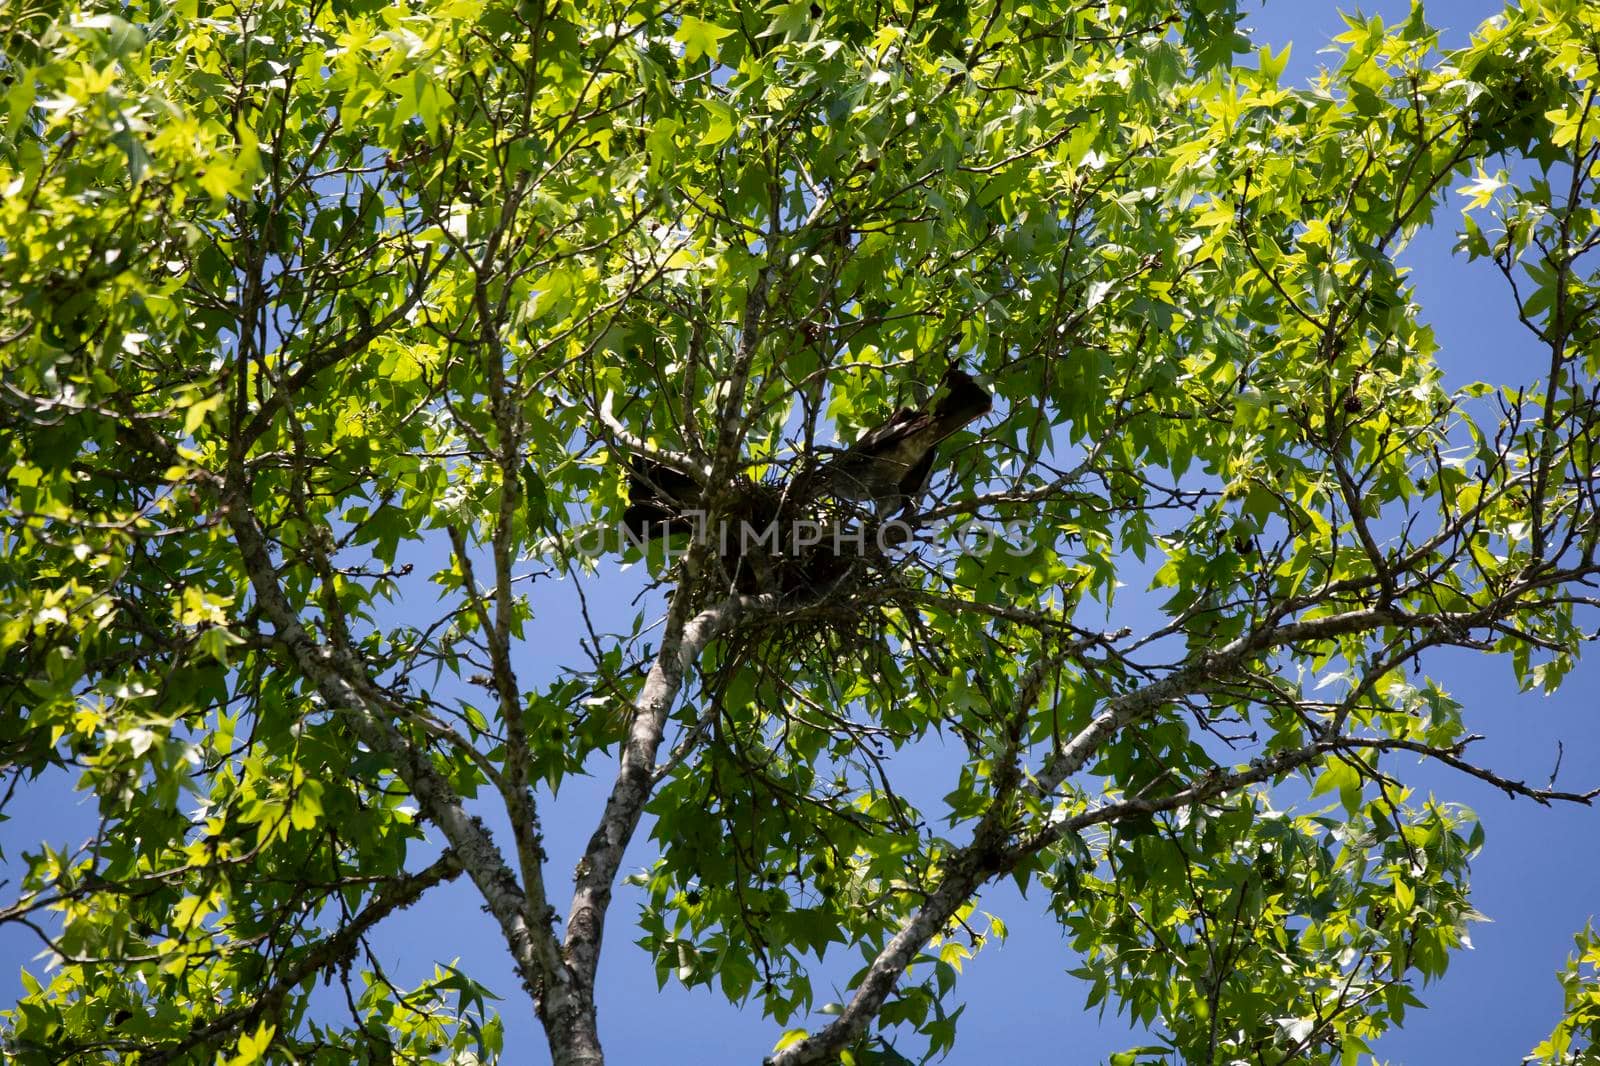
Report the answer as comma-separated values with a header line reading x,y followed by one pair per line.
x,y
959,401
915,483
894,460
899,424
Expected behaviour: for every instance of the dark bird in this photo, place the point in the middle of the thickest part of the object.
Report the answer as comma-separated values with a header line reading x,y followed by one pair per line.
x,y
889,467
663,500
891,464
660,500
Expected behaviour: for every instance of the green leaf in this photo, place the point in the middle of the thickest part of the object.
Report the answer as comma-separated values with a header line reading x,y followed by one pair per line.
x,y
699,38
790,1038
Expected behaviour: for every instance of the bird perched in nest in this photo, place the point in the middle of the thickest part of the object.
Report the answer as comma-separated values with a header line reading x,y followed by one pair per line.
x,y
888,467
891,464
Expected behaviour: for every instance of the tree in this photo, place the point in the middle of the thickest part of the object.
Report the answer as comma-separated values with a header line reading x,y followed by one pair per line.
x,y
305,301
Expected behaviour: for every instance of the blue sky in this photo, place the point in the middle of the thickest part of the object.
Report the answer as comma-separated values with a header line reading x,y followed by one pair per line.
x,y
1538,877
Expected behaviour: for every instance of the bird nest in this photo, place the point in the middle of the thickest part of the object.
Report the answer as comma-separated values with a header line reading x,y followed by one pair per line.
x,y
821,568
812,546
